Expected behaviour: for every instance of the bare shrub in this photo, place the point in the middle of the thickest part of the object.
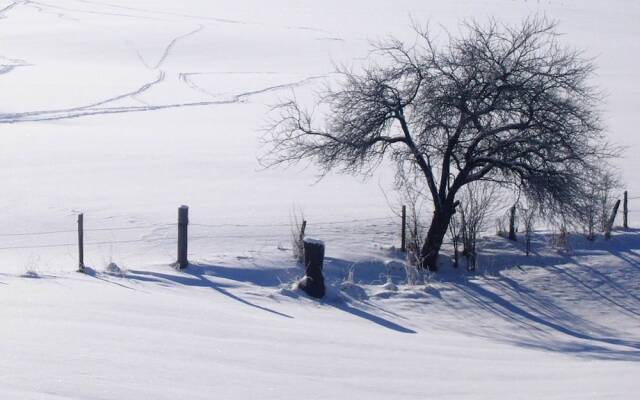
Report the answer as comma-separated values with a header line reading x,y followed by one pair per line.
x,y
528,217
478,201
298,227
455,229
599,201
411,194
590,217
608,184
504,224
560,239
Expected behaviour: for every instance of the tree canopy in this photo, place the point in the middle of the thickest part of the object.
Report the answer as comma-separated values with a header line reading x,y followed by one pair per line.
x,y
500,103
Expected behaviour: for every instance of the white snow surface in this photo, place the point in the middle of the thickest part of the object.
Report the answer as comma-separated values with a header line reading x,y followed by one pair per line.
x,y
123,110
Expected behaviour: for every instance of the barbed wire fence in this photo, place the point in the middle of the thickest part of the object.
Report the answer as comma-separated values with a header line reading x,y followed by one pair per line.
x,y
203,238
630,212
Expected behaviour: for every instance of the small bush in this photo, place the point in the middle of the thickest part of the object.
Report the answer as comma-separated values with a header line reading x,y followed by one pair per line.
x,y
297,236
477,201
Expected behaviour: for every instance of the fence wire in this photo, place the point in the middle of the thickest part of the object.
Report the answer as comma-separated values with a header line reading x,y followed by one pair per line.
x,y
380,229
281,232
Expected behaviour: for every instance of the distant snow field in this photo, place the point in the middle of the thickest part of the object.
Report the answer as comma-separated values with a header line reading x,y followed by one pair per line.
x,y
125,110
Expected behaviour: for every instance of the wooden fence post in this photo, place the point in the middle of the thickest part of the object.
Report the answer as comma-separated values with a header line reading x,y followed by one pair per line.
x,y
403,245
302,229
313,281
625,210
612,218
183,224
81,242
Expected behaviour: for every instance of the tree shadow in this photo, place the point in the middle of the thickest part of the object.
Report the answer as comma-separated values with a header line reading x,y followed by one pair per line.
x,y
199,275
344,306
584,338
196,275
97,275
537,315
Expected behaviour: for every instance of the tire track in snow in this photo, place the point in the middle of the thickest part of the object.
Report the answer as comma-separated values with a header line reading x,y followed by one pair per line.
x,y
40,7
94,109
139,91
11,6
185,77
144,10
168,48
9,64
31,115
240,98
174,15
161,60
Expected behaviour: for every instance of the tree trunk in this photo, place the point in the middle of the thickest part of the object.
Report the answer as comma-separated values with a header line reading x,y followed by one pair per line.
x,y
512,224
435,236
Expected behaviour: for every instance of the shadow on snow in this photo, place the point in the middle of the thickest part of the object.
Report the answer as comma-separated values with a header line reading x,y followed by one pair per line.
x,y
533,296
214,277
538,309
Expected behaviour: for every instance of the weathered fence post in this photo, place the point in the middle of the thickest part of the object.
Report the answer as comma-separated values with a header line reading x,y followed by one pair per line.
x,y
512,224
313,281
625,211
403,244
183,224
302,229
81,242
612,218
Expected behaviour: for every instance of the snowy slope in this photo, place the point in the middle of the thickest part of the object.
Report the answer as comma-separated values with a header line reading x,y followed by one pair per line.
x,y
124,110
549,326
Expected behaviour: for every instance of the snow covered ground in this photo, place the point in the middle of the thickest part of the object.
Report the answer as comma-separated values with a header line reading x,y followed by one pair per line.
x,y
124,110
549,326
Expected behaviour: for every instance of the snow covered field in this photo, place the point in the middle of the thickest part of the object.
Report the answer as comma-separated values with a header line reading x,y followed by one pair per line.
x,y
552,327
124,110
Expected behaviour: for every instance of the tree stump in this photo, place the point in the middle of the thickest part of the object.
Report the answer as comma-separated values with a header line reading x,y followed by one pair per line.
x,y
313,281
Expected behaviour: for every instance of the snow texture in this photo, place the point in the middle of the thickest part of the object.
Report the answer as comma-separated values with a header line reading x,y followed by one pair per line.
x,y
123,110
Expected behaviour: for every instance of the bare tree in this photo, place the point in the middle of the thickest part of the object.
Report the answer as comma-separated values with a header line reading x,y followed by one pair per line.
x,y
496,103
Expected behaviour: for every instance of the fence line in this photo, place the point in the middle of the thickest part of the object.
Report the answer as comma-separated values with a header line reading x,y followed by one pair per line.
x,y
35,233
122,228
44,246
167,225
128,228
324,227
338,222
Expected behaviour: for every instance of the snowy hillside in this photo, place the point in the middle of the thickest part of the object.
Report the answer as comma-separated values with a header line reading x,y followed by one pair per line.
x,y
124,110
548,326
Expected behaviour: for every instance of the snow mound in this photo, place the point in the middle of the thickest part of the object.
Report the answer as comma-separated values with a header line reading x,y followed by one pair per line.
x,y
113,269
30,274
390,286
353,291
